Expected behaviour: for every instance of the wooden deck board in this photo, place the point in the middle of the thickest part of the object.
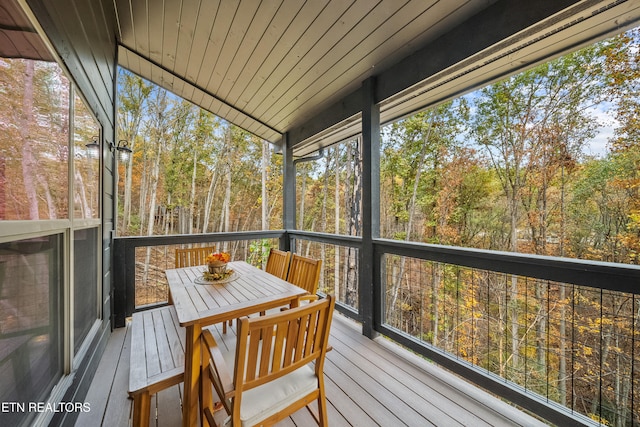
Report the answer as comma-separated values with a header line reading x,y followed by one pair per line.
x,y
104,375
418,402
360,394
119,411
169,409
368,382
108,397
431,388
348,410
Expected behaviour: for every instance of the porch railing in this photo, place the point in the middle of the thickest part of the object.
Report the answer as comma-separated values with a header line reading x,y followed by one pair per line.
x,y
558,337
140,262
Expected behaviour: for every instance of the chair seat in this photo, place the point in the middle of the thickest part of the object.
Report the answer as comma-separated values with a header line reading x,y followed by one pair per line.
x,y
263,401
275,369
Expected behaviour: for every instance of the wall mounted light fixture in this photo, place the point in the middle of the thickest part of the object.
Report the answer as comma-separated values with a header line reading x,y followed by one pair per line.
x,y
121,150
124,152
93,148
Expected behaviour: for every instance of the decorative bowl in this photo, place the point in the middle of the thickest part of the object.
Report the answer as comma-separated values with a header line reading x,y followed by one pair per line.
x,y
217,267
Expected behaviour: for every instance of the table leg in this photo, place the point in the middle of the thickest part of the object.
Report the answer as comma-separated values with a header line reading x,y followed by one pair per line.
x,y
207,389
192,371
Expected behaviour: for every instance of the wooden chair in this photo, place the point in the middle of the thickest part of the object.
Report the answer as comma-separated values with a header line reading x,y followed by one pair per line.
x,y
270,374
278,263
193,256
305,273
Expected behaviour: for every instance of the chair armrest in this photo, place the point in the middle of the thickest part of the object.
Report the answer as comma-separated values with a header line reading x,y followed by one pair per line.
x,y
309,298
219,366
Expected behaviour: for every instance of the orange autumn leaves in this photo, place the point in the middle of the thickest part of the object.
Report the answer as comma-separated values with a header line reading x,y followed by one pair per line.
x,y
218,257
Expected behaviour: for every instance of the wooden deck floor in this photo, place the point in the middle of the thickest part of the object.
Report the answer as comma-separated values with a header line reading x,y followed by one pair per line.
x,y
369,382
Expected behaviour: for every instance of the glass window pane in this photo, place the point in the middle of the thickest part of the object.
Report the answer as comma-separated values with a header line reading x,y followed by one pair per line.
x,y
85,287
31,281
34,140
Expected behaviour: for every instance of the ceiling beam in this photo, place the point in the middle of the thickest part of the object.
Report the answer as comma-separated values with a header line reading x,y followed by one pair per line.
x,y
154,65
488,28
501,20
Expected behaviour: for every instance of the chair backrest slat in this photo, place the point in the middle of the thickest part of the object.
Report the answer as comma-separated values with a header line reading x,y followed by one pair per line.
x,y
193,256
304,272
280,343
278,263
270,347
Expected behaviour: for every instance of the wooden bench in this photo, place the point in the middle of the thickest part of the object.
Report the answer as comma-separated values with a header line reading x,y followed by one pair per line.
x,y
157,358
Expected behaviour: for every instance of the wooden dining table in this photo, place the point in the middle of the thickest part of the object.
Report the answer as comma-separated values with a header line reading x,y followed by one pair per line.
x,y
199,303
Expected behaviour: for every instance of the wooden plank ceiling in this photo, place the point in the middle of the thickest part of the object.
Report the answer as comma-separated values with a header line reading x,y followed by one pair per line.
x,y
272,66
18,37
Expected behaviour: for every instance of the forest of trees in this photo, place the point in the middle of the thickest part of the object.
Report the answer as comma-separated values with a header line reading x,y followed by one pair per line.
x,y
35,121
508,167
191,172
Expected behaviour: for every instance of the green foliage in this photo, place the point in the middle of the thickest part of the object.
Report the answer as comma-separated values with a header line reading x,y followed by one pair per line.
x,y
259,252
198,155
516,175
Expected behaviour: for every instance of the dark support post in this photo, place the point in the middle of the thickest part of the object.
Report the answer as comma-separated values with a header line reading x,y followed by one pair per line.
x,y
289,189
119,285
110,222
370,284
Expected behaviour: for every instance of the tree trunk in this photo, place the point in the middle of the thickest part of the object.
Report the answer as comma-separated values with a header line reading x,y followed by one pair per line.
x,y
155,173
226,202
303,190
435,300
158,136
167,217
323,224
348,197
144,178
501,328
562,362
208,204
622,385
3,186
153,190
541,328
266,160
354,224
626,378
397,279
29,164
81,195
513,302
126,216
605,345
562,366
226,205
336,254
192,202
51,206
136,94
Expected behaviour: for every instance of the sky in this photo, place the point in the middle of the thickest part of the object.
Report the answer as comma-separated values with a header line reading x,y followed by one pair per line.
x,y
598,146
